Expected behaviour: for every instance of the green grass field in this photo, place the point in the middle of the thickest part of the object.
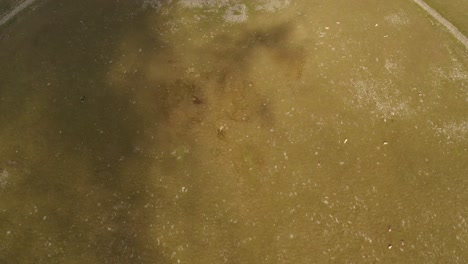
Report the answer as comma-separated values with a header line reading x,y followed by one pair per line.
x,y
232,132
455,11
7,5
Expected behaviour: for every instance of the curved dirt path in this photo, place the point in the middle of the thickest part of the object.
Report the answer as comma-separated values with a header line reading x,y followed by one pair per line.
x,y
451,28
15,11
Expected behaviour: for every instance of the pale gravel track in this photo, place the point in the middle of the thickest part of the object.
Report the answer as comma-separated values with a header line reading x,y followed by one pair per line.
x,y
451,28
15,11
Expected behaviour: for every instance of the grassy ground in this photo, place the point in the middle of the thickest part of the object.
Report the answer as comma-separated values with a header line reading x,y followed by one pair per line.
x,y
454,11
264,133
7,5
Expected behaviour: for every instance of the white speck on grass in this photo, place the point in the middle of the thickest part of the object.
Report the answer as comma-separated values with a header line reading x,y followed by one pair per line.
x,y
381,97
204,3
397,19
453,131
391,66
155,4
454,73
236,14
4,178
235,11
457,74
272,5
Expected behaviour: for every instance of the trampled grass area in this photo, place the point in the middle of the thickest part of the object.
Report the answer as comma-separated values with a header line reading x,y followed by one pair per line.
x,y
455,11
